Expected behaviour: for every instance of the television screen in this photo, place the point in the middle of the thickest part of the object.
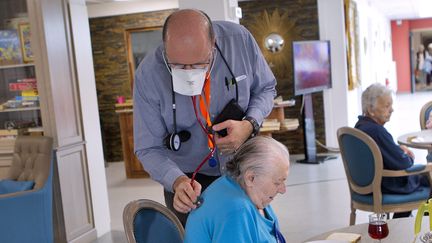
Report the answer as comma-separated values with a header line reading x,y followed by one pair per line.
x,y
312,67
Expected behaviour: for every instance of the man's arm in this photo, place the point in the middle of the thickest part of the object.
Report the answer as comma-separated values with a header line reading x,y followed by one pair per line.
x,y
260,104
149,133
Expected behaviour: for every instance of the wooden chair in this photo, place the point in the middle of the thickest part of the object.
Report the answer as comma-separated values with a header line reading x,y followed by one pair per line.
x,y
147,221
424,114
363,165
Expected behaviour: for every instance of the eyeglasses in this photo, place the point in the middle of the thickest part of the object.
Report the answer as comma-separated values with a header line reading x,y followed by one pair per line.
x,y
203,65
199,65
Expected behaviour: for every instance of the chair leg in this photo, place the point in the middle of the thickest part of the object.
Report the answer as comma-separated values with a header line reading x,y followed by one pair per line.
x,y
352,216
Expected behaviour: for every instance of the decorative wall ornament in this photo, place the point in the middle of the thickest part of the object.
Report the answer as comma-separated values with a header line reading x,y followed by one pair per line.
x,y
352,35
280,30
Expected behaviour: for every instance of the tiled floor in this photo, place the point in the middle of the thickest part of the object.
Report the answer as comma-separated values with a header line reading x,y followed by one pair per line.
x,y
316,199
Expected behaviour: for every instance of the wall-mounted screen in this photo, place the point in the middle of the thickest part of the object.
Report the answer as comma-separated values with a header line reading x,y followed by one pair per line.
x,y
312,66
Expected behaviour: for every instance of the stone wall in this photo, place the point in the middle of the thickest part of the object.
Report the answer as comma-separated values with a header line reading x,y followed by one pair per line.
x,y
293,20
112,71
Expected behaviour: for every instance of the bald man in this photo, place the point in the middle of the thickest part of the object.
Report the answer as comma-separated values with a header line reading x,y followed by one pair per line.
x,y
181,89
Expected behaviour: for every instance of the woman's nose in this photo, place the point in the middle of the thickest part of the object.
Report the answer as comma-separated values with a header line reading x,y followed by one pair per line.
x,y
282,188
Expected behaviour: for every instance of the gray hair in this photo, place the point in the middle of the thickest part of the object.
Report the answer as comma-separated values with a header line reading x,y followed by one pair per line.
x,y
257,154
371,94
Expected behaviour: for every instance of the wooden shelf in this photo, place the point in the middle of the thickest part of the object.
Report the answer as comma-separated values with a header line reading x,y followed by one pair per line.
x,y
21,109
17,65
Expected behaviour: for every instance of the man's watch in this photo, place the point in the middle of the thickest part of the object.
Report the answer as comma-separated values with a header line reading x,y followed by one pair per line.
x,y
255,125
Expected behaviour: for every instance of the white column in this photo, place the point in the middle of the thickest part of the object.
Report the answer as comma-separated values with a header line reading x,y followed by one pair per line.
x,y
216,10
90,115
332,27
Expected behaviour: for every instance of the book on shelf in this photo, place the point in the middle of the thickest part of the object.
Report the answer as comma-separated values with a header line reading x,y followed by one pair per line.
x,y
290,124
7,145
26,80
270,125
22,86
31,93
27,98
280,101
8,132
10,47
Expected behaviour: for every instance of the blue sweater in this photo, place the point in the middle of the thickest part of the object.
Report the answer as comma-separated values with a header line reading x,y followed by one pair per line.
x,y
228,215
394,157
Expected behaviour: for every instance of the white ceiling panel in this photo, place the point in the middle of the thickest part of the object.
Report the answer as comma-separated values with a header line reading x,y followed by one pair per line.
x,y
392,9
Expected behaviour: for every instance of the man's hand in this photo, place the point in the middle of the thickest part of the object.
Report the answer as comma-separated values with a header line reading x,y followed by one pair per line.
x,y
407,151
185,195
238,132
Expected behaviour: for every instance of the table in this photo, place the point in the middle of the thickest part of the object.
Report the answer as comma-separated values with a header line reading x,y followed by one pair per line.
x,y
412,139
400,231
133,166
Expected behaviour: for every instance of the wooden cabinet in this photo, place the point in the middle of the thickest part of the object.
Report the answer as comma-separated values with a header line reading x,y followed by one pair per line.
x,y
133,166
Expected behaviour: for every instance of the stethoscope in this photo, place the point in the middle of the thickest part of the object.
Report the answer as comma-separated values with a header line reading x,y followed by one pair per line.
x,y
174,140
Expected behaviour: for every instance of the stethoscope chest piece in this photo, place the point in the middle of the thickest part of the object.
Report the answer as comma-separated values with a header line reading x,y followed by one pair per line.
x,y
212,162
199,201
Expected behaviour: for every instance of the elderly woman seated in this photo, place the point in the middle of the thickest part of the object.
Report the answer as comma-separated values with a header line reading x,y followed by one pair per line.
x,y
377,108
236,207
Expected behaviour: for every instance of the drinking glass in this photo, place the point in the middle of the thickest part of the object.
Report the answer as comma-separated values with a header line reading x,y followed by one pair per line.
x,y
378,228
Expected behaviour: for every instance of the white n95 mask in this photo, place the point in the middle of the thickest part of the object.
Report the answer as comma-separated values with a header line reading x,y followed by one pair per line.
x,y
189,82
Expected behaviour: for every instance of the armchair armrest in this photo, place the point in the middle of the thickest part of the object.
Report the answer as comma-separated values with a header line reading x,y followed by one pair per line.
x,y
413,170
15,194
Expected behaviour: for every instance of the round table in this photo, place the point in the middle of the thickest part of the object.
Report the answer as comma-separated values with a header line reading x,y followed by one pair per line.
x,y
400,231
410,139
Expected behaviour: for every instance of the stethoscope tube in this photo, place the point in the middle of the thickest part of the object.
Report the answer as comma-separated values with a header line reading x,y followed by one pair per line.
x,y
209,136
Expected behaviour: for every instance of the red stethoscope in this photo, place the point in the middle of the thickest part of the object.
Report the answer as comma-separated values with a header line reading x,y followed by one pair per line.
x,y
205,129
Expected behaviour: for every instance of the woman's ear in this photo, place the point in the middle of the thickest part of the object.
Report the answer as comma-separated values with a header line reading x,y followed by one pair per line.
x,y
249,178
370,111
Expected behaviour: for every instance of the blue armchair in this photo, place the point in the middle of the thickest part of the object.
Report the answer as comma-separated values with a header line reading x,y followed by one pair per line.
x,y
27,216
364,170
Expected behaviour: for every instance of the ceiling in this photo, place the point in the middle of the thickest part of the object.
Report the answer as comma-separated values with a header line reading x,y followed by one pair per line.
x,y
403,9
392,9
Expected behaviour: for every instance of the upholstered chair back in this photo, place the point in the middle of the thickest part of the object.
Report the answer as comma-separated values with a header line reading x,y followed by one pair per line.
x,y
30,158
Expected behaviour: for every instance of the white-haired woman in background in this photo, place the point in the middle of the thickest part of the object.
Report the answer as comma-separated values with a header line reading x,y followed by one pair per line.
x,y
236,207
377,106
